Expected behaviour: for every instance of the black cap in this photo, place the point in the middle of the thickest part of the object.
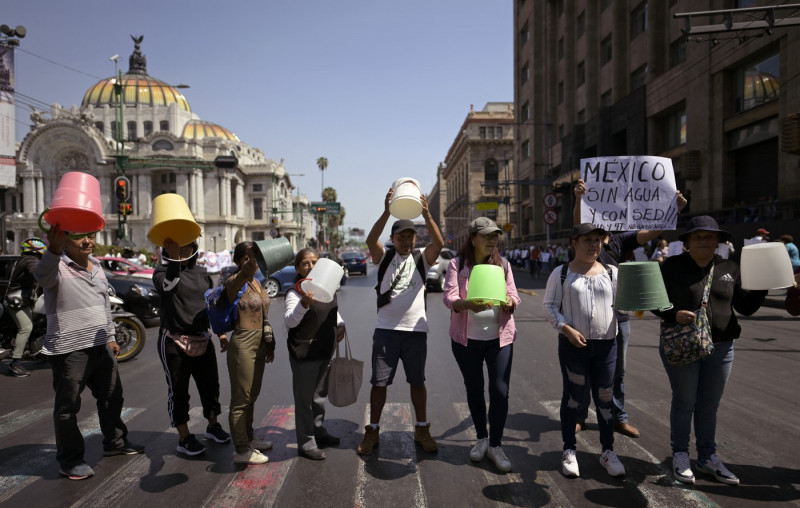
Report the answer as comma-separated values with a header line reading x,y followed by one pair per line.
x,y
704,223
483,226
403,225
586,228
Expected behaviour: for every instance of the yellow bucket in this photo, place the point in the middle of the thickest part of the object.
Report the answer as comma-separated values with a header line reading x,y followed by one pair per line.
x,y
172,219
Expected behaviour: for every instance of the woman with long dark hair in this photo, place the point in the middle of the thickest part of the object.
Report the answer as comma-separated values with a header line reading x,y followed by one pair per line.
x,y
483,333
314,328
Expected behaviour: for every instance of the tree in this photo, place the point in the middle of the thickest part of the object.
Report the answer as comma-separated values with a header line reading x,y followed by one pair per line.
x,y
322,164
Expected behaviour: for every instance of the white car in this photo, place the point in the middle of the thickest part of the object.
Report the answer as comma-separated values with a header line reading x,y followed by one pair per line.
x,y
437,272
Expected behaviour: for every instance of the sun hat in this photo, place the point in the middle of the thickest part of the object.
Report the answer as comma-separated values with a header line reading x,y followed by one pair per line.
x,y
703,223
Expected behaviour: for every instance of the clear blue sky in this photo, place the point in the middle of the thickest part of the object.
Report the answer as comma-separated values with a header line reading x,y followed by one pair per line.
x,y
379,88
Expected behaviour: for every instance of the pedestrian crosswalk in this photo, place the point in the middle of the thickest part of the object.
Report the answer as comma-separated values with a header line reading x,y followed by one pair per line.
x,y
397,462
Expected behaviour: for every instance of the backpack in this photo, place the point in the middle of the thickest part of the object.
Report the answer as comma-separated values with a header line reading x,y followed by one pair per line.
x,y
221,313
386,297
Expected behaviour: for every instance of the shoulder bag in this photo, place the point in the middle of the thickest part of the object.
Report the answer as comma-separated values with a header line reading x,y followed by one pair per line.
x,y
344,379
683,344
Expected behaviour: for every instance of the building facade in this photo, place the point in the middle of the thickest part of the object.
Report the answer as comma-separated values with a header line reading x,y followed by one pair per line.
x,y
620,77
147,128
477,176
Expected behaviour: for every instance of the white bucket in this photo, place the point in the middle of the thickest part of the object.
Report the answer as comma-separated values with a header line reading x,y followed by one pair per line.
x,y
323,280
766,266
405,202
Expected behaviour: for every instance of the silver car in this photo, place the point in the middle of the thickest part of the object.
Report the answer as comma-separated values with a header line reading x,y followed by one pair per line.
x,y
436,273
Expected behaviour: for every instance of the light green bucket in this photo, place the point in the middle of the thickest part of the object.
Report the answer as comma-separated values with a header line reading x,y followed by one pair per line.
x,y
641,287
487,283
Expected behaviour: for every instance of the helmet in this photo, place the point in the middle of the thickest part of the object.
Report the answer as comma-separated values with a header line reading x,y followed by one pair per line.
x,y
33,246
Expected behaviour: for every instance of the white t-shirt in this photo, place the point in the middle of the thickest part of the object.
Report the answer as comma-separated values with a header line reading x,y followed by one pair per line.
x,y
484,325
406,311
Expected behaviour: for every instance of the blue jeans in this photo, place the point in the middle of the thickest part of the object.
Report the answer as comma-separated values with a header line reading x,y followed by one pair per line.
x,y
470,359
618,410
696,391
584,369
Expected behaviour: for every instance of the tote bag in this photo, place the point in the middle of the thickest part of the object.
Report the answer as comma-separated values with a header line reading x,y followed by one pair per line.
x,y
344,380
683,344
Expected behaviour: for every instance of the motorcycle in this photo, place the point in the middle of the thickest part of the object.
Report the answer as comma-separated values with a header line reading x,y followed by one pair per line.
x,y
130,331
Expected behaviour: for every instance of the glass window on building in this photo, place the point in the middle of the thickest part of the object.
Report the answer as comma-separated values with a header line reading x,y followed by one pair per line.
x,y
258,209
561,131
674,129
498,131
638,20
605,50
525,74
525,150
639,77
114,133
582,116
580,25
482,132
606,99
677,51
490,133
148,128
257,236
100,126
490,176
524,35
163,126
132,130
258,187
757,83
172,178
525,112
581,74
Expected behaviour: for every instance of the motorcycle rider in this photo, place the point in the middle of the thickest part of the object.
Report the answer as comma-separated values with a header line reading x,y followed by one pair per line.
x,y
22,280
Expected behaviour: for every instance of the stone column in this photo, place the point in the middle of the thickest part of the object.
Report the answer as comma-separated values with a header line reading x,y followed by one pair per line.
x,y
29,195
200,194
39,194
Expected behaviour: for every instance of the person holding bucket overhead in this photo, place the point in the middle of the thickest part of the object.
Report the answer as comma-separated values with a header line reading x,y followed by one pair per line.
x,y
483,331
314,328
252,346
401,330
697,387
184,344
578,302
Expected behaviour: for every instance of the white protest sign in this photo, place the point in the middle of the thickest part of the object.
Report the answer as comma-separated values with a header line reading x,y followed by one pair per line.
x,y
629,193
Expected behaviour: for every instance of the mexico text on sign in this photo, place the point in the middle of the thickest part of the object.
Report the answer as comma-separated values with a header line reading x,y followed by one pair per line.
x,y
628,193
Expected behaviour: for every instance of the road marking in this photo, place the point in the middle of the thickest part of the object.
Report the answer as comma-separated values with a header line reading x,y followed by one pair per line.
x,y
16,420
654,496
259,485
395,457
27,467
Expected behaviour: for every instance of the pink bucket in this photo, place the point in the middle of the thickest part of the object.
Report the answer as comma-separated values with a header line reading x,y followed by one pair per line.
x,y
76,205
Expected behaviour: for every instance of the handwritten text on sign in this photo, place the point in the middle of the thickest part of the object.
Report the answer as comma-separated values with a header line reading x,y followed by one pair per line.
x,y
629,193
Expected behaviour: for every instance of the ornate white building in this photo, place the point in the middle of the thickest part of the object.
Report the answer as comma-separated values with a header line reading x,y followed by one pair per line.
x,y
168,149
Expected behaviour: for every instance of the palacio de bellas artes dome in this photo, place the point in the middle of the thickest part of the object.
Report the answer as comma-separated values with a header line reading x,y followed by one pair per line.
x,y
164,147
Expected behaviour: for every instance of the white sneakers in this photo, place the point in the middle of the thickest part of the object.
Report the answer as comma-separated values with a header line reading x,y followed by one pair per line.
x,y
612,464
478,452
251,456
609,460
498,456
569,464
681,468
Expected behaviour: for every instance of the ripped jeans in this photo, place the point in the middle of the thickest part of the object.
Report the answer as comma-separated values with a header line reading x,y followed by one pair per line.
x,y
591,367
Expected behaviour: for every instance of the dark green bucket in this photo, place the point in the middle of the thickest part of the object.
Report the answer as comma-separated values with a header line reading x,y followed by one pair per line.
x,y
641,287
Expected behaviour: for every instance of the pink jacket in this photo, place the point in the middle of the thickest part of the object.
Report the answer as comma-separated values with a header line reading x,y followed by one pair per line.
x,y
455,288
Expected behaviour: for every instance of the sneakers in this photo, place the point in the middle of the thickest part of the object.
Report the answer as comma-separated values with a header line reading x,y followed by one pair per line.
x,y
127,448
313,454
370,441
17,370
261,445
626,429
478,451
612,464
714,466
215,433
569,464
79,472
579,426
190,446
498,456
681,468
250,456
422,435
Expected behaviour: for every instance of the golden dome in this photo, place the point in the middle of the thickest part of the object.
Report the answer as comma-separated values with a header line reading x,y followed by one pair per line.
x,y
137,89
200,129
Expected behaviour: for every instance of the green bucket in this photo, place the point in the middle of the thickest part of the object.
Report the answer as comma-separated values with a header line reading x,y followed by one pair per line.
x,y
273,254
641,287
487,283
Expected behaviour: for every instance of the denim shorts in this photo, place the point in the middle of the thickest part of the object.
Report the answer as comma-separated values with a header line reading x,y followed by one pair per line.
x,y
390,346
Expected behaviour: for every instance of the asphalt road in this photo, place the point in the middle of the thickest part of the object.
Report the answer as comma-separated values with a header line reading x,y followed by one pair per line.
x,y
758,431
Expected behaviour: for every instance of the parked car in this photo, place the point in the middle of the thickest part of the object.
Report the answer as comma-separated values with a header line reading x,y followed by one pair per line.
x,y
283,279
139,294
122,266
334,257
355,262
437,272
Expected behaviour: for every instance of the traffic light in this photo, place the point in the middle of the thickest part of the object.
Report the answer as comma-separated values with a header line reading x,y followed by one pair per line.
x,y
122,187
125,209
321,209
274,221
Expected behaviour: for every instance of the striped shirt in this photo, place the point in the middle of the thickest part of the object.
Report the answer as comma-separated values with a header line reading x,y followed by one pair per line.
x,y
76,303
584,303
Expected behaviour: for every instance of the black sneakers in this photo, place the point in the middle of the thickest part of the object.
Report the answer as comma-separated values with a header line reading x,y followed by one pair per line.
x,y
215,433
126,449
190,446
17,370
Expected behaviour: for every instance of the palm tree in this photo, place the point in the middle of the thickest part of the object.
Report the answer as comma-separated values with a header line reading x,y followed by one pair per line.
x,y
322,164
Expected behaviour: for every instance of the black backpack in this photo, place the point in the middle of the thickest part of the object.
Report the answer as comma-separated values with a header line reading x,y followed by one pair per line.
x,y
385,298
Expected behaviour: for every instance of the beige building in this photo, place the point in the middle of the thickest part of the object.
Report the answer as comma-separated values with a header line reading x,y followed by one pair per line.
x,y
619,77
477,176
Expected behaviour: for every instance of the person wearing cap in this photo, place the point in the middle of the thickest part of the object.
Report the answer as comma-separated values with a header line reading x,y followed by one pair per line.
x,y
483,333
581,309
401,329
181,283
23,281
616,249
762,236
697,387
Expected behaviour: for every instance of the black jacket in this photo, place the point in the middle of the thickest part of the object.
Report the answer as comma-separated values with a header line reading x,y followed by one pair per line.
x,y
183,308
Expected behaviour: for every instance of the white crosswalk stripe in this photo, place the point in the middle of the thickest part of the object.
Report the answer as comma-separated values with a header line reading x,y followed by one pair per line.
x,y
16,420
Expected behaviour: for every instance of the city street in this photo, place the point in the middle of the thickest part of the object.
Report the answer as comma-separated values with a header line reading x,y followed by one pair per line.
x,y
758,431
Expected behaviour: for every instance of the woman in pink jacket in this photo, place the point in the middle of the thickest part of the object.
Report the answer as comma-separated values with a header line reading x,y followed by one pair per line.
x,y
483,333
